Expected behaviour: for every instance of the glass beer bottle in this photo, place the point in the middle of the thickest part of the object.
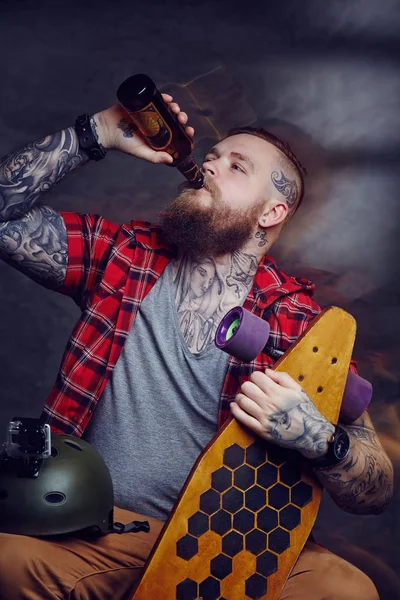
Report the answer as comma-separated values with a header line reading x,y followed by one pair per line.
x,y
160,128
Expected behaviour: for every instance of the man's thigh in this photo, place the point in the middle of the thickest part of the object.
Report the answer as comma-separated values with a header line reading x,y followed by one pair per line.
x,y
320,574
79,567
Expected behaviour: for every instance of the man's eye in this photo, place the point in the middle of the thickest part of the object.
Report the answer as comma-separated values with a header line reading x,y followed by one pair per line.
x,y
237,167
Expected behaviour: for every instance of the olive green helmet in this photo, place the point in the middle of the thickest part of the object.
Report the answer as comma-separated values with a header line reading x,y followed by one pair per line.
x,y
72,491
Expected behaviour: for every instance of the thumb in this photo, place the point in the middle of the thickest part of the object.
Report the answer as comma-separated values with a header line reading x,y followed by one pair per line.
x,y
283,379
162,158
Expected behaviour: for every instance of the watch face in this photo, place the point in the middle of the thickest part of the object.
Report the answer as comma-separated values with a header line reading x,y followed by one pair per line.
x,y
342,445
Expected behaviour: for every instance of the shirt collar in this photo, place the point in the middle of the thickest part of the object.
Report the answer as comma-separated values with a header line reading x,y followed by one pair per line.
x,y
271,283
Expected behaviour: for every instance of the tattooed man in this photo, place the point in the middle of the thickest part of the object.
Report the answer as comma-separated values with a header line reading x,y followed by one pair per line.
x,y
141,372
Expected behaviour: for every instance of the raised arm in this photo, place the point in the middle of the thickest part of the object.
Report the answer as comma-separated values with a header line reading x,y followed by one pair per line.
x,y
33,237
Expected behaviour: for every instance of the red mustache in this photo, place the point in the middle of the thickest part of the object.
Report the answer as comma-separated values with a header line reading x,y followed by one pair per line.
x,y
212,188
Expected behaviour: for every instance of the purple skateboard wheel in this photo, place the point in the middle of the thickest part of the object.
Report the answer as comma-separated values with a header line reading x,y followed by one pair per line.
x,y
242,334
356,398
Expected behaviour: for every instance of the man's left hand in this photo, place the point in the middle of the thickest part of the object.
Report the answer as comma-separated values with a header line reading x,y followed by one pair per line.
x,y
274,406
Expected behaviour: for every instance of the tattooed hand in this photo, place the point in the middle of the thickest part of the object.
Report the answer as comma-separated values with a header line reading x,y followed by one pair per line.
x,y
115,129
274,406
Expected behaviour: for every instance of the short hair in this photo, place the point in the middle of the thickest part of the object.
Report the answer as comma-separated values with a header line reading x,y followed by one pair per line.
x,y
283,147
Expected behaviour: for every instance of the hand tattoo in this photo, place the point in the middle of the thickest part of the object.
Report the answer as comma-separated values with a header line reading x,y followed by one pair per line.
x,y
302,427
127,127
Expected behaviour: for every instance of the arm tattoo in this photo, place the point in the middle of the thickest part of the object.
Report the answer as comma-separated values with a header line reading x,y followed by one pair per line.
x,y
27,173
286,187
96,135
36,245
363,484
203,295
127,127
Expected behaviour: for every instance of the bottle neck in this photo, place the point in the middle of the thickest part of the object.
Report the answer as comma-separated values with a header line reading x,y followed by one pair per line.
x,y
190,169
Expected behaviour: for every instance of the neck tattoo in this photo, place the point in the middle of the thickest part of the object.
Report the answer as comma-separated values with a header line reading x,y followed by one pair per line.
x,y
204,292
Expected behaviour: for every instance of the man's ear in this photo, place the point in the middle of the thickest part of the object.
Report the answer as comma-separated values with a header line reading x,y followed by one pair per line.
x,y
274,214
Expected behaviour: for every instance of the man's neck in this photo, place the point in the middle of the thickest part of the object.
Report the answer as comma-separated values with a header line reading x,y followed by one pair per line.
x,y
206,289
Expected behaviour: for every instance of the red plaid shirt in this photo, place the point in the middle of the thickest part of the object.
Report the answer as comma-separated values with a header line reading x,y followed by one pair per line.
x,y
111,268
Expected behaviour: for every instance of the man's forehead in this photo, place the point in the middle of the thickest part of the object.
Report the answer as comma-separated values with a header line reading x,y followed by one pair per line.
x,y
256,148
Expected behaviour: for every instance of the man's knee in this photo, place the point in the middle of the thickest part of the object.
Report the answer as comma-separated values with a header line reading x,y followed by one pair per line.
x,y
351,584
15,556
20,560
340,580
319,574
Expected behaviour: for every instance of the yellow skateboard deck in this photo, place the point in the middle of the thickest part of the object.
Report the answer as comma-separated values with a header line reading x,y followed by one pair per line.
x,y
248,506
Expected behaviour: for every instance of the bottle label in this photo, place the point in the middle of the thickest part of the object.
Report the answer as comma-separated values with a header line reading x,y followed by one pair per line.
x,y
152,126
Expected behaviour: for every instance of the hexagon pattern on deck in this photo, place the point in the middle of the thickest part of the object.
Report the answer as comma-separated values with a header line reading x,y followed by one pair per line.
x,y
254,501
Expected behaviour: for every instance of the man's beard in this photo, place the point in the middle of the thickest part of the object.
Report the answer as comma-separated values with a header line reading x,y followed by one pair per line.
x,y
208,231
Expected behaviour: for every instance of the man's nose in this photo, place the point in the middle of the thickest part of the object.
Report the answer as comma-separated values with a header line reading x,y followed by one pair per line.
x,y
209,168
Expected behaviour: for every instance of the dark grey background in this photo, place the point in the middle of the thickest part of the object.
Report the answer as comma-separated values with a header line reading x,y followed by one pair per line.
x,y
323,74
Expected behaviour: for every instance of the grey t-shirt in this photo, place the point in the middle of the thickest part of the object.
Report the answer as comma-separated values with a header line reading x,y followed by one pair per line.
x,y
159,409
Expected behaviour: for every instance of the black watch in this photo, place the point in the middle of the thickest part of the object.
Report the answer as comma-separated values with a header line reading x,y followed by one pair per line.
x,y
338,449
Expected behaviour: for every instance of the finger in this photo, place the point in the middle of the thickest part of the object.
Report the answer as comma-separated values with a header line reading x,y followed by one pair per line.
x,y
175,107
189,131
249,406
246,419
167,98
265,383
283,379
162,158
252,391
183,118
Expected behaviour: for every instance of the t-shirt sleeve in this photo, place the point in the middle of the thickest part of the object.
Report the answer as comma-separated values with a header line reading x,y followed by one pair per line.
x,y
91,239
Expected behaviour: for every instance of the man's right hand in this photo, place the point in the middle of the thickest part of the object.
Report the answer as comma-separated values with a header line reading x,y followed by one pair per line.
x,y
33,237
116,130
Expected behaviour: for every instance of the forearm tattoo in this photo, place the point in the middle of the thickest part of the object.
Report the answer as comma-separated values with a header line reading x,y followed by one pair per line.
x,y
33,238
27,173
363,484
203,295
36,245
286,187
93,126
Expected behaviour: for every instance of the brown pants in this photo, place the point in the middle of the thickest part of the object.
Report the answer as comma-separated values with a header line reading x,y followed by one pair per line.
x,y
106,568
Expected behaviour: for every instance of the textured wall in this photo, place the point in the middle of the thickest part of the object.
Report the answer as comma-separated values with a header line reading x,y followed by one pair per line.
x,y
323,74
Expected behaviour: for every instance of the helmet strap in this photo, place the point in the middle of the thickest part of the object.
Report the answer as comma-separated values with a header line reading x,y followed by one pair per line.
x,y
134,526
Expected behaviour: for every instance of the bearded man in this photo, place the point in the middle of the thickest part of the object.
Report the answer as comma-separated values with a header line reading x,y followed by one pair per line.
x,y
141,372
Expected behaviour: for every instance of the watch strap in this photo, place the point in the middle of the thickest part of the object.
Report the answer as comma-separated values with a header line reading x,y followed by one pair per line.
x,y
338,449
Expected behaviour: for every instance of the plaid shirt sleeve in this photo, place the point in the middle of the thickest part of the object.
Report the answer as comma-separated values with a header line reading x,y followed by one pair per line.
x,y
291,317
91,239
